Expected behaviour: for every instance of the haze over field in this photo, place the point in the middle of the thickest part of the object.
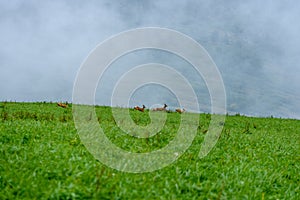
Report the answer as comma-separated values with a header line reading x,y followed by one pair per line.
x,y
255,45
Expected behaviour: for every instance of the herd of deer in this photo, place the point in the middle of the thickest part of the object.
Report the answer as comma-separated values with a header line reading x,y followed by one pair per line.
x,y
137,108
158,109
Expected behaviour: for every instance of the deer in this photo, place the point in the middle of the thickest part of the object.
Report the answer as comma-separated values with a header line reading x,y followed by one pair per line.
x,y
139,108
62,105
161,109
180,110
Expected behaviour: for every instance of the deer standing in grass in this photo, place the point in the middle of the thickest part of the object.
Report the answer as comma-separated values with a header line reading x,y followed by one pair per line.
x,y
180,110
139,108
161,109
62,105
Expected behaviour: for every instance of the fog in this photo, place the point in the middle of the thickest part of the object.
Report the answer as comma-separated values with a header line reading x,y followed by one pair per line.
x,y
255,45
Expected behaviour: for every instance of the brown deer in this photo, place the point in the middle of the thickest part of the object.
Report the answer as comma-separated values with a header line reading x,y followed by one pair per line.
x,y
161,109
139,108
62,105
180,110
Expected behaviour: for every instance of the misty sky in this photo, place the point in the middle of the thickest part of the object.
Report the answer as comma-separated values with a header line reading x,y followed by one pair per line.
x,y
255,44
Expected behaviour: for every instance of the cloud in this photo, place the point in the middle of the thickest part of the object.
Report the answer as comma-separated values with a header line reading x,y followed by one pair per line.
x,y
255,45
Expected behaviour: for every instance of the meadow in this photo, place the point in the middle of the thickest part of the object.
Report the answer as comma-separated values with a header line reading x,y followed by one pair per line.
x,y
42,157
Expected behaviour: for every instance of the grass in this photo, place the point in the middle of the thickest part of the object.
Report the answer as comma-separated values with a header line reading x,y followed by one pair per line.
x,y
42,157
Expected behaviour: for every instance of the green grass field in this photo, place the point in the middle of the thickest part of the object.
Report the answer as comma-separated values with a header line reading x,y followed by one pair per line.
x,y
42,157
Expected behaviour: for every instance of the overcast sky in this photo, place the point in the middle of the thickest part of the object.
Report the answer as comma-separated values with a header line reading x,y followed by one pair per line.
x,y
255,44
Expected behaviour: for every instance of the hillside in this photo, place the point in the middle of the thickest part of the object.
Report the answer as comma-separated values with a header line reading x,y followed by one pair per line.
x,y
42,157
